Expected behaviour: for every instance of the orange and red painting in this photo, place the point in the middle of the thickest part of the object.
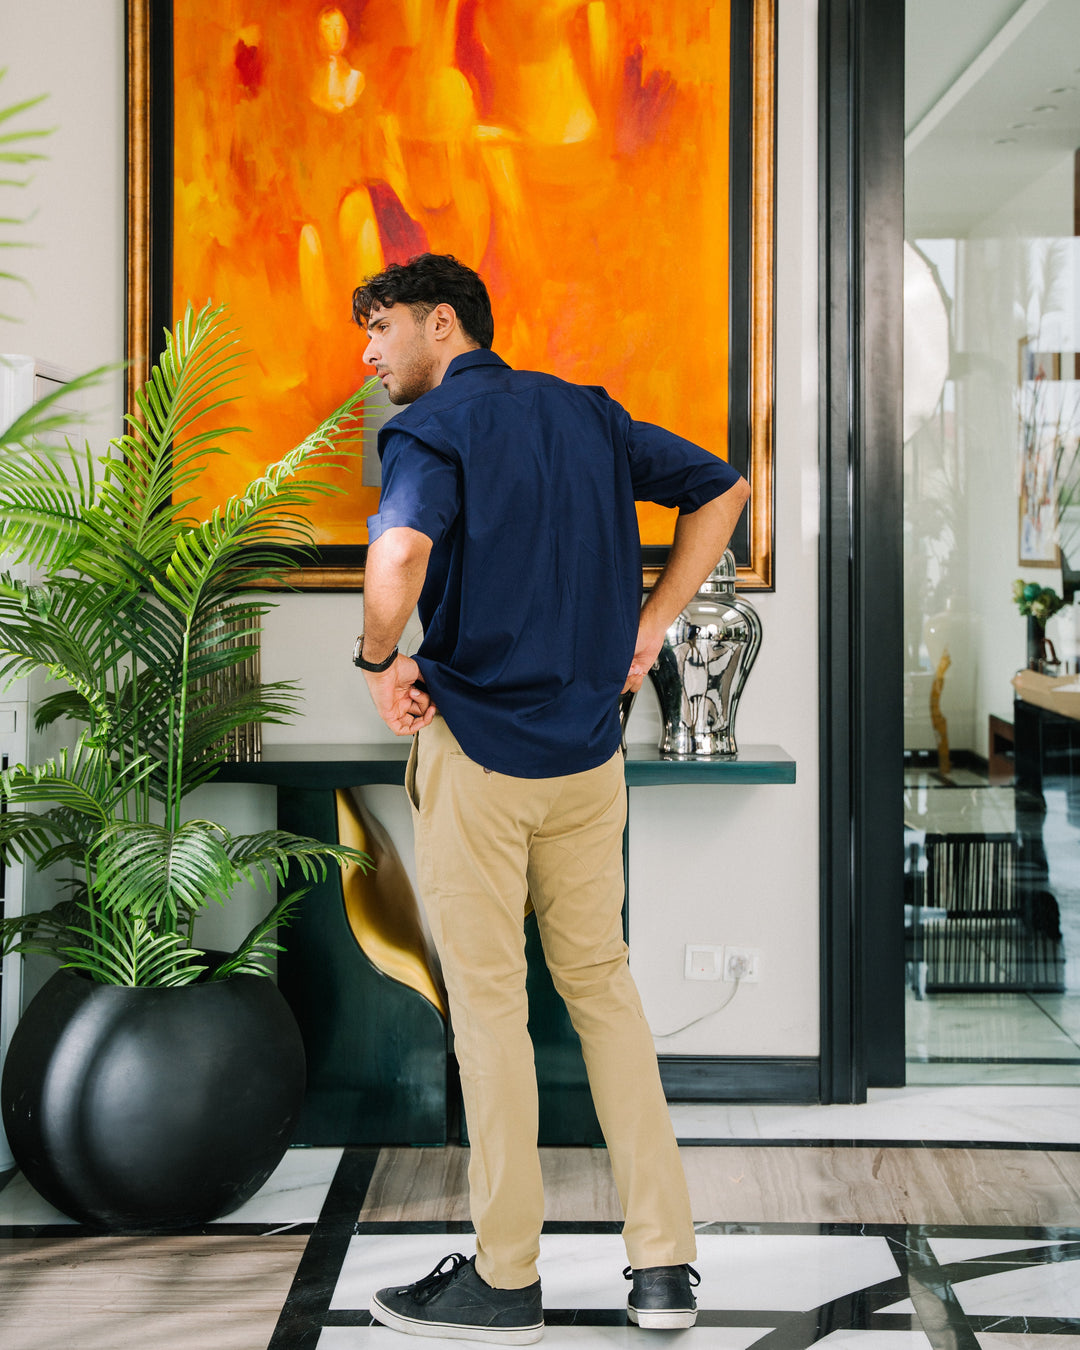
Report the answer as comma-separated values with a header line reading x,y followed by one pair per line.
x,y
575,154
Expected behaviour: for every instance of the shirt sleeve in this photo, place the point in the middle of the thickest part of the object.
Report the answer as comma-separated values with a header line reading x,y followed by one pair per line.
x,y
671,471
421,487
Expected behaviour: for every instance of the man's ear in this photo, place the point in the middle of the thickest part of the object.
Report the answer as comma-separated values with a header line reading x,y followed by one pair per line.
x,y
444,322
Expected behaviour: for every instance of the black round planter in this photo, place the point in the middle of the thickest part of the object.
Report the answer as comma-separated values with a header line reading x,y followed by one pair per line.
x,y
152,1109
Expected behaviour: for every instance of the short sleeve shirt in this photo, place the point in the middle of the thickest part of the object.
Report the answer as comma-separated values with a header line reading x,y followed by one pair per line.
x,y
525,484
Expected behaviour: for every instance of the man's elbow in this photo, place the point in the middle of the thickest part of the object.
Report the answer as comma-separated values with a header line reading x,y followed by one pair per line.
x,y
732,499
739,493
401,548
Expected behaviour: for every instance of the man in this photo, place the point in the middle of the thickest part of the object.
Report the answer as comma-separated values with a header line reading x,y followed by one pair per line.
x,y
507,517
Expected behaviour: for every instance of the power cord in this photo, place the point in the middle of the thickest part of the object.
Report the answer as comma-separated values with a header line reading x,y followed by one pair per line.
x,y
664,1035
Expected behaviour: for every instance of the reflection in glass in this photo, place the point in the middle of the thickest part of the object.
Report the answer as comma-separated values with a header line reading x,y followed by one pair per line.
x,y
991,495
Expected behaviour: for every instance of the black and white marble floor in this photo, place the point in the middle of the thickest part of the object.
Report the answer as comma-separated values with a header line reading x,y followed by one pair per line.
x,y
882,1288
780,1286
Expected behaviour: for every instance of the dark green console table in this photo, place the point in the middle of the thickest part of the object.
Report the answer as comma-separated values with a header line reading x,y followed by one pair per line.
x,y
334,766
379,1071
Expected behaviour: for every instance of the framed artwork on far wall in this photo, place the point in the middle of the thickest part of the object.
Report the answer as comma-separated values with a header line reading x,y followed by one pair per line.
x,y
1047,407
607,167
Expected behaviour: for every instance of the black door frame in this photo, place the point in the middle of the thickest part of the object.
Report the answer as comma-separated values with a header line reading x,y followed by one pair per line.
x,y
861,233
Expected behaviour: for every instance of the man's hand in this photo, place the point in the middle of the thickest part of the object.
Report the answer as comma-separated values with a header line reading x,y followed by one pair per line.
x,y
645,654
700,539
398,699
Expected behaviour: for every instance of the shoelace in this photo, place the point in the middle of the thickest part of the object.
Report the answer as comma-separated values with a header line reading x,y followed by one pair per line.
x,y
423,1291
695,1278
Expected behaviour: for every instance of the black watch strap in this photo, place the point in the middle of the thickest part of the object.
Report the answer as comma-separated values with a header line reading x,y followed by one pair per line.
x,y
373,666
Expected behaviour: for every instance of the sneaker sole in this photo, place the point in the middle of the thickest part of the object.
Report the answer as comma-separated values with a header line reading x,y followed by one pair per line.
x,y
413,1326
662,1321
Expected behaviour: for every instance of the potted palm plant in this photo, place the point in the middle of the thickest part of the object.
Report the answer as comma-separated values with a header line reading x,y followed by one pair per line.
x,y
150,1085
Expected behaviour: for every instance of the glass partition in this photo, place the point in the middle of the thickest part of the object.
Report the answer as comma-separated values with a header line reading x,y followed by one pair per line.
x,y
992,542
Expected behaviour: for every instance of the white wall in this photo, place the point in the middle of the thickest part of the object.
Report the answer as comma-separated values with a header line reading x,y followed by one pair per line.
x,y
73,313
715,865
738,866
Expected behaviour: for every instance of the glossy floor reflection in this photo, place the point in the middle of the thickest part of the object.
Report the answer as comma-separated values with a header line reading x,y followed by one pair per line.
x,y
1023,932
792,1248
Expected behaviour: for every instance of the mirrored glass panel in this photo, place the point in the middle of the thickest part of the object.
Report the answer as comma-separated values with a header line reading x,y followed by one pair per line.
x,y
992,541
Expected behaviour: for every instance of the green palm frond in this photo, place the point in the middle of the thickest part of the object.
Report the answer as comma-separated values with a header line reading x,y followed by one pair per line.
x,y
16,148
149,619
157,874
68,703
62,630
10,139
73,780
48,932
48,416
252,530
271,854
41,496
123,949
43,837
255,954
167,441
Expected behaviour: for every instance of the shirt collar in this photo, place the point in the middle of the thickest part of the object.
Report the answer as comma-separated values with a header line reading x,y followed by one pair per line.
x,y
478,356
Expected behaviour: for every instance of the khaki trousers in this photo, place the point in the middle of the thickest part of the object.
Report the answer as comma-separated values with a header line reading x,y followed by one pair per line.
x,y
485,842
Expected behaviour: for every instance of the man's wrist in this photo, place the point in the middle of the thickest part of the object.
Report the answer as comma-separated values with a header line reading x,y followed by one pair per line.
x,y
369,666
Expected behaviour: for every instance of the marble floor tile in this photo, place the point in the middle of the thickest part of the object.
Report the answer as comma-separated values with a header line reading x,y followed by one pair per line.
x,y
851,1339
1062,1074
21,1204
774,1183
1030,1291
1046,1114
294,1193
1003,1340
923,776
984,1026
584,1271
575,1338
419,1185
921,1185
136,1293
960,810
295,1190
795,1273
948,1250
1064,1009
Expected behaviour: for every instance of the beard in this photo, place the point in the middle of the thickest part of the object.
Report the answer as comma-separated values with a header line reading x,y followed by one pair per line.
x,y
413,375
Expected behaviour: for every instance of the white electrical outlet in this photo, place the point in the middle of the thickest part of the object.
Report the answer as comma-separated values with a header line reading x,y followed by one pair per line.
x,y
704,963
741,963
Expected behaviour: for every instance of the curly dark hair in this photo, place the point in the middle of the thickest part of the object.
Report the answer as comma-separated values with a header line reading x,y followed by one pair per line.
x,y
423,282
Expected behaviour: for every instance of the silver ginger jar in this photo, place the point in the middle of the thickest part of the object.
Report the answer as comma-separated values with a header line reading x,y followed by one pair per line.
x,y
702,668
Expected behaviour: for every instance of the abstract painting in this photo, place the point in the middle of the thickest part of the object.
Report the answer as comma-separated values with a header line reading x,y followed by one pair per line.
x,y
579,156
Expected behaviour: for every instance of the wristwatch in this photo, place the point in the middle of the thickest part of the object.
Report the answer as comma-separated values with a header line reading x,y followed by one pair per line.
x,y
373,666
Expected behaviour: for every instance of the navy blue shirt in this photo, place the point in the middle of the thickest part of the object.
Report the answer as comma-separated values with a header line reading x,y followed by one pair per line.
x,y
526,485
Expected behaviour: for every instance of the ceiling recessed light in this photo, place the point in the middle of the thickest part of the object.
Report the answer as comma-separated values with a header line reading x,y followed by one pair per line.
x,y
1044,108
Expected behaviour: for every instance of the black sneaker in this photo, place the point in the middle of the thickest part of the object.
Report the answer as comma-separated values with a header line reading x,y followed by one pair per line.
x,y
661,1299
458,1304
